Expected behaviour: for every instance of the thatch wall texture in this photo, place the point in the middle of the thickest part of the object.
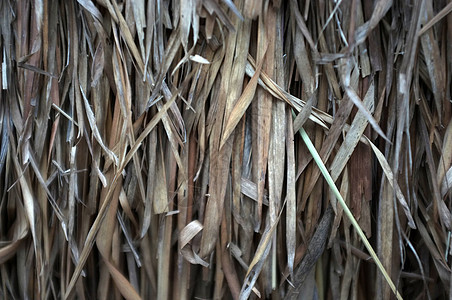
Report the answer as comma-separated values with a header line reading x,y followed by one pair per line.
x,y
220,149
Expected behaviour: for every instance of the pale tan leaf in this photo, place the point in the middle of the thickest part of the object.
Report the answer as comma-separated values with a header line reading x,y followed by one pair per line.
x,y
189,232
291,208
446,186
446,155
89,6
241,105
199,59
122,283
390,176
96,133
354,134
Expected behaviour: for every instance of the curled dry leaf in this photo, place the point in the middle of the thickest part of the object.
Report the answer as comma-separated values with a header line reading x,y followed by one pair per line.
x,y
189,232
185,237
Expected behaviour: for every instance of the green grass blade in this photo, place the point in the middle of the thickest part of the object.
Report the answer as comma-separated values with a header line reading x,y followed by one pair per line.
x,y
347,211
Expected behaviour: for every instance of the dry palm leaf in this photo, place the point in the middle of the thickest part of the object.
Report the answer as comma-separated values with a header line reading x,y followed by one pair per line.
x,y
148,149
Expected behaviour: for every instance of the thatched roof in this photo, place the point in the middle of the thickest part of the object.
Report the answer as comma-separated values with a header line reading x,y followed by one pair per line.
x,y
201,149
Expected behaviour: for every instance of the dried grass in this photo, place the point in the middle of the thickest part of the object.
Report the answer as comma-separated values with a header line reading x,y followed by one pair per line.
x,y
151,149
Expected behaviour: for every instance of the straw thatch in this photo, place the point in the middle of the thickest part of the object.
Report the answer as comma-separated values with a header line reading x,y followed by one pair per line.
x,y
177,149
